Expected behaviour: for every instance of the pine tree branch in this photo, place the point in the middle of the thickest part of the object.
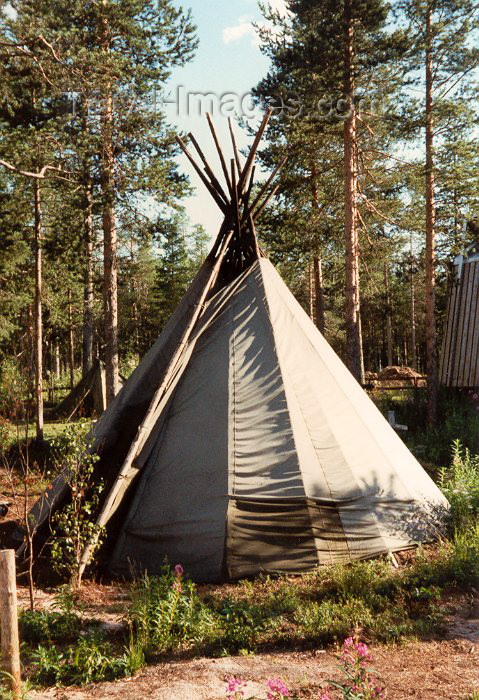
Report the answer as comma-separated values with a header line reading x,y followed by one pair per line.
x,y
369,205
464,73
39,175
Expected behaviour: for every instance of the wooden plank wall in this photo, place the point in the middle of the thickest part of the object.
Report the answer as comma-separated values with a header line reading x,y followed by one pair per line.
x,y
460,350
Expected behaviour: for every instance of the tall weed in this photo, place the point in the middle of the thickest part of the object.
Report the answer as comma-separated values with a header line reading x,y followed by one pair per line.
x,y
460,485
166,613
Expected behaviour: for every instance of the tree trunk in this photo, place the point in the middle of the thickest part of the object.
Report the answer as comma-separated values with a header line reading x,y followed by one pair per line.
x,y
88,293
413,309
71,346
311,291
38,333
317,264
110,262
56,359
319,293
354,356
389,324
431,339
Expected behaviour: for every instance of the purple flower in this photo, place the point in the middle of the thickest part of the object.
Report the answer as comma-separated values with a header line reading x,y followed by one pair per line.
x,y
179,571
361,650
234,688
278,689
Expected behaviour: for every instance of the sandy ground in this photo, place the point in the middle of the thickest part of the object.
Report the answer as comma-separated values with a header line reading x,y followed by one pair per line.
x,y
426,671
433,670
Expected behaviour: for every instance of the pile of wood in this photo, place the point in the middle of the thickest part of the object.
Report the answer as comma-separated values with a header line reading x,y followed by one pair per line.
x,y
398,373
394,377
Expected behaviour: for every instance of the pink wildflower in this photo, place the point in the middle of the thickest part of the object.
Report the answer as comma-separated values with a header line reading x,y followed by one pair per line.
x,y
176,586
234,688
278,689
179,571
361,650
324,695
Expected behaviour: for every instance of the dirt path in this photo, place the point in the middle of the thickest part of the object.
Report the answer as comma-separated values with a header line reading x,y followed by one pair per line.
x,y
425,671
435,670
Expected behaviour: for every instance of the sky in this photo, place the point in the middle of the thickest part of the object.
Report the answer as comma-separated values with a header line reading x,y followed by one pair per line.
x,y
228,60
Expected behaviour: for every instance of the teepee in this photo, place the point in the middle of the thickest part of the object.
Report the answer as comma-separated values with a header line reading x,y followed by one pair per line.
x,y
88,397
241,443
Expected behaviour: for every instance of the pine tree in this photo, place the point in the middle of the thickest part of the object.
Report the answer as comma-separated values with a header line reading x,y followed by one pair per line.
x,y
110,58
330,57
440,33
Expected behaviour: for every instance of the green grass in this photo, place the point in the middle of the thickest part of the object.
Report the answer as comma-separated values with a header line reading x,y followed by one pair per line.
x,y
169,615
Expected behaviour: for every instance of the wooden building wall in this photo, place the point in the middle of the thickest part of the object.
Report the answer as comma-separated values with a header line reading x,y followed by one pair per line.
x,y
460,351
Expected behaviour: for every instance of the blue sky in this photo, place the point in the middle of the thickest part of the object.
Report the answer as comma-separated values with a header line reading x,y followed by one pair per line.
x,y
228,60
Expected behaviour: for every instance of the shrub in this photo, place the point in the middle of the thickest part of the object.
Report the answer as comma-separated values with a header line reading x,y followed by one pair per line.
x,y
460,485
457,419
37,626
166,613
90,659
61,624
242,623
73,526
456,563
332,621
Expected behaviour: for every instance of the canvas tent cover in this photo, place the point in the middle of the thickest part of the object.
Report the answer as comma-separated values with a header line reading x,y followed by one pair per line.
x,y
269,456
87,397
241,443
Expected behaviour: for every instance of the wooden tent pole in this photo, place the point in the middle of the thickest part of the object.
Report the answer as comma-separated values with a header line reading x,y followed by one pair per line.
x,y
137,444
266,185
235,147
254,148
247,194
203,178
260,210
255,237
235,199
214,181
220,152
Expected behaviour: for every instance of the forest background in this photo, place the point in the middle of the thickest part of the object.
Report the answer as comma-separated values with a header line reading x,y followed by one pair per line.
x,y
374,104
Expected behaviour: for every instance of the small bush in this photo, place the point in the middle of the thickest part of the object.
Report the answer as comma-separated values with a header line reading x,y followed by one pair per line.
x,y
242,624
74,526
457,420
62,624
361,579
331,621
456,563
166,613
90,659
37,626
460,485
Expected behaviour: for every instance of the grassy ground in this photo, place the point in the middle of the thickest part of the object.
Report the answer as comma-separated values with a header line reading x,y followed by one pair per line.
x,y
169,617
108,632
